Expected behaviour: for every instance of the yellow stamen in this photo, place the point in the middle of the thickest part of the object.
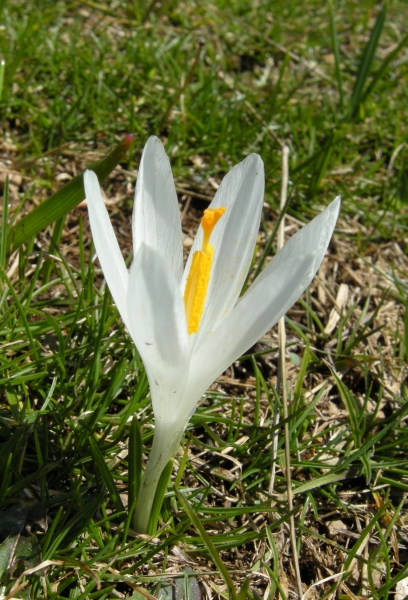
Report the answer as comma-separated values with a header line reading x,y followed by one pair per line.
x,y
200,269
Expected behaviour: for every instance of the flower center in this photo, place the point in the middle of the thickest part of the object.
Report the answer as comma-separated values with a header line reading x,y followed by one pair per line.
x,y
200,270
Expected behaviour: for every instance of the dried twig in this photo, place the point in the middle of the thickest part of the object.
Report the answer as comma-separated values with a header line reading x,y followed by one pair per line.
x,y
282,371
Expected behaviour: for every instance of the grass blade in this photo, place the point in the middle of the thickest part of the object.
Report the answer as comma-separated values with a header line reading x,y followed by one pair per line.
x,y
22,311
243,594
134,461
158,498
105,474
335,44
4,221
384,68
322,164
406,332
2,69
210,546
60,203
366,62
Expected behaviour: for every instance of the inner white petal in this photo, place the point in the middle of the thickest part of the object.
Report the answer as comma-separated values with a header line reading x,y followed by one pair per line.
x,y
233,240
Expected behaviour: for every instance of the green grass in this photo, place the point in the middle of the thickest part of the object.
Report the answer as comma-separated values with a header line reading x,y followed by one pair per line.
x,y
215,81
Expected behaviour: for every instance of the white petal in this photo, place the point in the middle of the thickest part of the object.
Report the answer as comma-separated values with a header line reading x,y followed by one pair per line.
x,y
106,244
156,217
234,237
272,294
158,328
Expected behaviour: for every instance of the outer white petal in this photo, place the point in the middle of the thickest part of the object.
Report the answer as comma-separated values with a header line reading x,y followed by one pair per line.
x,y
106,244
156,217
267,300
158,328
234,237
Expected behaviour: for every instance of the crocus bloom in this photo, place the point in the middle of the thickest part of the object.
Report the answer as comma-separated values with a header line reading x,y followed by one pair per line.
x,y
190,325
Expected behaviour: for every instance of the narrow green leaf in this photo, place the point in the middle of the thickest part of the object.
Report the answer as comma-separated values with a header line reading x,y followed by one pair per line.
x,y
278,86
210,546
352,408
22,311
5,467
318,482
301,377
134,461
49,535
393,482
13,398
243,593
72,562
367,470
322,164
2,69
182,466
335,44
274,573
71,527
106,474
366,62
406,331
53,245
60,203
364,534
383,68
4,221
158,497
331,140
21,484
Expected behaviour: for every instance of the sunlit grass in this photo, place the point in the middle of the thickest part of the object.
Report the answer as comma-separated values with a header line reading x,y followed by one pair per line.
x,y
216,81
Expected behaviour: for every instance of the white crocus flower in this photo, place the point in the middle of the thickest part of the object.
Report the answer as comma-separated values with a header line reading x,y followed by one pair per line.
x,y
187,342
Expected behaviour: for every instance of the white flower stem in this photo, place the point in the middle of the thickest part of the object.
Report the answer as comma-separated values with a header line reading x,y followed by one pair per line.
x,y
165,444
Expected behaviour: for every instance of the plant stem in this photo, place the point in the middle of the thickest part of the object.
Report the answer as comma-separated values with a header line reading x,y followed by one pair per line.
x,y
165,444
